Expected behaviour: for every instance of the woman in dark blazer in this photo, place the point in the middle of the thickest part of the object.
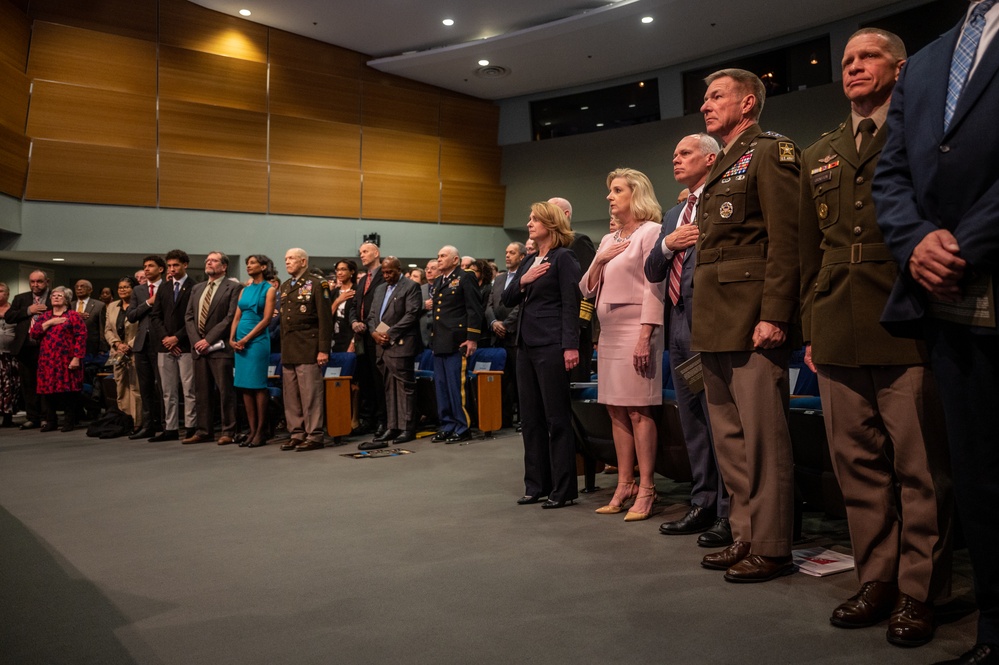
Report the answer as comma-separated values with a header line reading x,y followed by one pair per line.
x,y
546,288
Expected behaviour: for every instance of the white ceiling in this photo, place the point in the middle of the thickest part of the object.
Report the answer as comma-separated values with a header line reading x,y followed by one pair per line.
x,y
544,44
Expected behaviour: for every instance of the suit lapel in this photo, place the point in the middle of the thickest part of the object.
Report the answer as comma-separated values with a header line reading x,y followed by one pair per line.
x,y
976,85
739,148
845,144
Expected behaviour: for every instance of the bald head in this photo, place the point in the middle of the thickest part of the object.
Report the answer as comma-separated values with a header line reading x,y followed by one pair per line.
x,y
563,204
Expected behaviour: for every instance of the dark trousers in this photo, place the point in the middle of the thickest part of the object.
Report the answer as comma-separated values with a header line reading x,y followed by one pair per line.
x,y
149,386
27,368
545,414
370,383
213,387
449,384
707,489
511,395
69,403
966,366
399,378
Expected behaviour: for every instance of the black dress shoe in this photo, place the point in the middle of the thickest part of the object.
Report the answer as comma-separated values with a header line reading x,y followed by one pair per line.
x,y
165,435
379,430
696,520
551,504
374,444
29,424
458,438
406,436
48,427
871,605
980,654
143,433
441,437
719,535
68,427
528,499
386,435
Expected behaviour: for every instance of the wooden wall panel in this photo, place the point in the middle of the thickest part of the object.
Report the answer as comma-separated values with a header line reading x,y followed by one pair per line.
x,y
14,86
212,183
290,50
396,197
187,25
304,190
470,163
302,94
412,155
205,78
95,59
198,129
91,174
467,203
400,109
469,120
15,34
315,143
87,115
13,161
130,18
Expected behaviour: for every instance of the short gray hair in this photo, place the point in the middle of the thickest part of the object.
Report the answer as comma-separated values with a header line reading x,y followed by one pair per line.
x,y
708,144
893,43
750,84
66,292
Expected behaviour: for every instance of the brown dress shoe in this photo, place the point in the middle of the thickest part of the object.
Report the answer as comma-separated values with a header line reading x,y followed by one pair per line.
x,y
728,557
224,440
756,568
308,445
197,438
871,605
911,622
291,444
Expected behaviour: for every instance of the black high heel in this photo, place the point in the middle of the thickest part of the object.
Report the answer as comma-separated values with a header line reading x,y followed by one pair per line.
x,y
528,499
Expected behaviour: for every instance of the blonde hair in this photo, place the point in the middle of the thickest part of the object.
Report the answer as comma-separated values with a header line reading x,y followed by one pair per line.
x,y
554,219
644,205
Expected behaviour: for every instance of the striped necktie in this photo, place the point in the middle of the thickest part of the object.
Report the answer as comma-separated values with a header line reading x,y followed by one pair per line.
x,y
964,57
677,266
206,304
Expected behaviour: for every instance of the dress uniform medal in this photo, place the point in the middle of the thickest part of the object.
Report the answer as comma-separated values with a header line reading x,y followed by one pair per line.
x,y
726,210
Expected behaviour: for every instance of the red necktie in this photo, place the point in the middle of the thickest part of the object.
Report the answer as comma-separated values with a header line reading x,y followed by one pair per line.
x,y
677,267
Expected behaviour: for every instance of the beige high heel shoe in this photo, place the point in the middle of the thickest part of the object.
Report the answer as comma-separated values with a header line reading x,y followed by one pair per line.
x,y
611,509
637,517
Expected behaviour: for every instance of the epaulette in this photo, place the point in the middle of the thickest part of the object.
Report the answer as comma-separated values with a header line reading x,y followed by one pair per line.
x,y
773,135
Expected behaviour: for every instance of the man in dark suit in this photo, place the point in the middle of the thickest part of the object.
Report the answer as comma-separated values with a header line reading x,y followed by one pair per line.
x,y
879,399
582,247
937,201
210,311
90,310
24,309
502,320
306,336
746,281
174,360
394,322
369,379
673,259
458,314
145,350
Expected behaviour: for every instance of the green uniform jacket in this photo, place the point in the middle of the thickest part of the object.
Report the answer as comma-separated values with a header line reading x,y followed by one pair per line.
x,y
306,320
846,270
747,251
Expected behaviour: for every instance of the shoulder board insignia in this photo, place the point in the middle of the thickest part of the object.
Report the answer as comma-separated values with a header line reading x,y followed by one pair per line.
x,y
773,135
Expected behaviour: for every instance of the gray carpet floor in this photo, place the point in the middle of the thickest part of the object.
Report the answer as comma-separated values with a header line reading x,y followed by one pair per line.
x,y
130,552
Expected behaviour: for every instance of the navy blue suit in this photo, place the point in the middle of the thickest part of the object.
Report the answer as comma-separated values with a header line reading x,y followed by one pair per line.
x,y
929,179
707,489
549,325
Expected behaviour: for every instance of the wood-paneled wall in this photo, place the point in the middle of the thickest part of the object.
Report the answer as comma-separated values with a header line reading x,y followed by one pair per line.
x,y
167,103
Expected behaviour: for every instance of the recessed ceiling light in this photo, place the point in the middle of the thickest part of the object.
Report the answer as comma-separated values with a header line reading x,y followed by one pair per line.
x,y
448,22
244,12
584,108
647,19
548,124
483,63
600,124
58,259
631,106
641,84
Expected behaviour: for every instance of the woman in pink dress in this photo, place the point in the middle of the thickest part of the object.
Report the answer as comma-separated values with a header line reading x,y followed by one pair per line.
x,y
62,336
629,362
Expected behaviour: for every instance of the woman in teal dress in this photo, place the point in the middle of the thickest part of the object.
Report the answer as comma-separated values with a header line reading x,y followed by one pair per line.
x,y
251,341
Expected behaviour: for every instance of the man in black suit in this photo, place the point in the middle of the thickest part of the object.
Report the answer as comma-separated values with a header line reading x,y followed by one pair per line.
x,y
458,315
173,358
502,321
90,310
394,322
369,380
210,311
673,258
144,350
24,309
936,194
584,250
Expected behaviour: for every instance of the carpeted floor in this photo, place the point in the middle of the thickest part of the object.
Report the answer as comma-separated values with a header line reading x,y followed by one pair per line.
x,y
130,552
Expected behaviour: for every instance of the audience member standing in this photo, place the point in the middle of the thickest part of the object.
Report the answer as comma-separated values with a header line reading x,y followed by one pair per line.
x,y
210,311
584,250
145,350
173,359
369,379
91,311
62,337
457,324
343,302
502,322
24,310
746,286
10,381
251,341
120,334
306,336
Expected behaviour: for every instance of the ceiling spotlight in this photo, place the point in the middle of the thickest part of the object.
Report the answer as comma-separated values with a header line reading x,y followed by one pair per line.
x,y
548,124
647,19
483,63
631,106
641,84
584,108
58,259
448,22
600,124
244,12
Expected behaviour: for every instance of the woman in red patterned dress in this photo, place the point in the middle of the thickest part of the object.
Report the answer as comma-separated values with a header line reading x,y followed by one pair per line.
x,y
63,343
